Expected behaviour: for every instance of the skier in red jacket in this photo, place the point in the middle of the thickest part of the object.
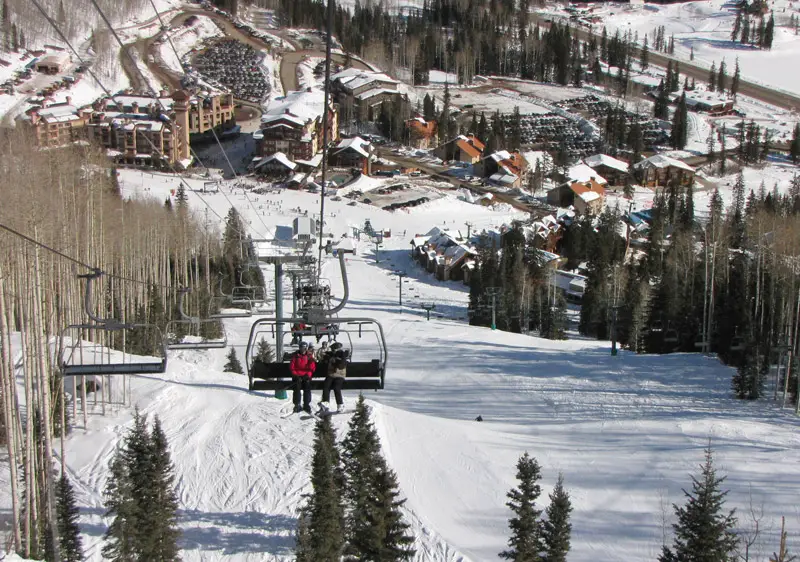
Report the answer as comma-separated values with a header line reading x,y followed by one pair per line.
x,y
302,367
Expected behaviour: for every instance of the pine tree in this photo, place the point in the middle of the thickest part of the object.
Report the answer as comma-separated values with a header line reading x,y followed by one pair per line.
x,y
233,365
712,77
265,353
526,542
127,486
320,535
375,526
769,33
181,198
556,529
69,531
483,129
721,77
162,509
644,60
748,383
703,533
794,148
736,78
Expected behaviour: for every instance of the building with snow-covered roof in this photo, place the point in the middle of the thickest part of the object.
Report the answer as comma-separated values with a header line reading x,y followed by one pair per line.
x,y
577,195
613,170
422,133
361,92
292,124
444,253
135,130
354,152
58,124
462,148
713,103
583,173
503,167
275,165
659,170
53,63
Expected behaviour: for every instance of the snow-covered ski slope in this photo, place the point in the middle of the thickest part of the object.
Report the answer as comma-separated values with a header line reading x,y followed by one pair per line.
x,y
625,431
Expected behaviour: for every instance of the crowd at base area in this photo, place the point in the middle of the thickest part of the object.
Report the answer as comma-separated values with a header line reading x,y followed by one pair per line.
x,y
304,363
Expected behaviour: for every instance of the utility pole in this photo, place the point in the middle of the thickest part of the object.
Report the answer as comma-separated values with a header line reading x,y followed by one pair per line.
x,y
492,292
378,241
614,308
400,275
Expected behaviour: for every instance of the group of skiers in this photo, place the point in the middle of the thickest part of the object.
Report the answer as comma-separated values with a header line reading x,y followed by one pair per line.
x,y
303,365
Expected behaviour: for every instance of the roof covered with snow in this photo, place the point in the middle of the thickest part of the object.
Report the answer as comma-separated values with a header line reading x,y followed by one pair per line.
x,y
280,157
662,161
356,143
606,160
297,107
583,173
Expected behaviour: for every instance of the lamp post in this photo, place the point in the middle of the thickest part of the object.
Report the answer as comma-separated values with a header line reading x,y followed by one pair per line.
x,y
400,275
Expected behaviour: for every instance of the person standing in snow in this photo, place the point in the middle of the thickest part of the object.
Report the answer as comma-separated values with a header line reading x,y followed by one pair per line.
x,y
337,371
302,367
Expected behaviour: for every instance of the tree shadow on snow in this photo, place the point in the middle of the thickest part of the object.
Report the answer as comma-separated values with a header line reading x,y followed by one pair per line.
x,y
232,533
237,533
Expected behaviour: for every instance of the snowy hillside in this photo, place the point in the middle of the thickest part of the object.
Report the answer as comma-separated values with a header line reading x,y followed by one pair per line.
x,y
625,431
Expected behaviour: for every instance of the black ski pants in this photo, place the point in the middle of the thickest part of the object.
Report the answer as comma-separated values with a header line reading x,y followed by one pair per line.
x,y
304,384
336,383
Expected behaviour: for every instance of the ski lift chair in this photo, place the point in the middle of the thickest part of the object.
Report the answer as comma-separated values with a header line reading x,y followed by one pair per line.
x,y
224,307
671,336
93,348
657,326
737,344
195,328
366,368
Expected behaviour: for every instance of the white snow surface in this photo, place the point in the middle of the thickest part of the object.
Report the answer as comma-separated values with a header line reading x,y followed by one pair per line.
x,y
186,38
706,26
625,431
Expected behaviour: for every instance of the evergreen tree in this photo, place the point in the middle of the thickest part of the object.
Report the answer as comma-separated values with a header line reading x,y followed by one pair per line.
x,y
556,528
233,365
769,33
680,125
526,542
127,486
181,198
168,204
794,148
375,527
69,531
703,533
748,382
712,77
644,60
162,512
265,353
483,129
722,79
736,78
320,535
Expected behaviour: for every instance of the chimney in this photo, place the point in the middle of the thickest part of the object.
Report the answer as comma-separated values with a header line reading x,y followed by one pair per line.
x,y
69,100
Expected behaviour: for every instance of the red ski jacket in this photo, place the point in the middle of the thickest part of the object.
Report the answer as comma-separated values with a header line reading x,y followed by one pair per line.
x,y
302,365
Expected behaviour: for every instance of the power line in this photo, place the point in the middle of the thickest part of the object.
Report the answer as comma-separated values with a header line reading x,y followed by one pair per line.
x,y
77,261
111,96
152,90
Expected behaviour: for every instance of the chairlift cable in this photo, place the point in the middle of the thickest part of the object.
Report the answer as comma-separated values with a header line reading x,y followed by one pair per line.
x,y
216,138
159,101
63,37
325,133
78,262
